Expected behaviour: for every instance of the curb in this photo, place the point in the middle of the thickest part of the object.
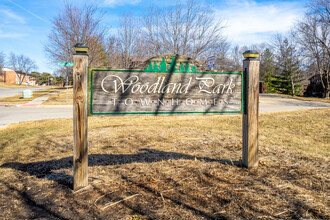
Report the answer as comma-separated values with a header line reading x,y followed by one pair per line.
x,y
26,105
55,106
8,105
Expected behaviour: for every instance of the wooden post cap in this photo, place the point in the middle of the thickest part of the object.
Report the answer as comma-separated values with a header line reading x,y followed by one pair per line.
x,y
80,48
250,54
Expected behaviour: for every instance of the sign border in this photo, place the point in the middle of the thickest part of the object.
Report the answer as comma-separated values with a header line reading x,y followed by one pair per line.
x,y
90,86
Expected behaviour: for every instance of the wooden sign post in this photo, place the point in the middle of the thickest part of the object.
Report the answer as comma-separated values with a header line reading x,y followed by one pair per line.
x,y
251,109
162,89
80,149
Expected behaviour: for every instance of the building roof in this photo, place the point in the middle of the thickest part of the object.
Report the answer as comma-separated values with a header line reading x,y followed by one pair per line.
x,y
315,75
6,69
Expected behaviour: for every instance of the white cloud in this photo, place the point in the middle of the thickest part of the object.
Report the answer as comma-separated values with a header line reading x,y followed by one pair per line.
x,y
12,35
9,14
28,11
114,3
249,22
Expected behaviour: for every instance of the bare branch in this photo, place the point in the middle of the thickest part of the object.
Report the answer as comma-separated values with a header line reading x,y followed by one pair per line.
x,y
77,25
22,65
184,29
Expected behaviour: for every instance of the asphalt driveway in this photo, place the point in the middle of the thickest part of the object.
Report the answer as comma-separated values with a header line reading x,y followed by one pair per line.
x,y
277,103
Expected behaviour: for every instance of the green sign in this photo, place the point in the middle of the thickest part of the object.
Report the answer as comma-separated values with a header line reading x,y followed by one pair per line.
x,y
65,64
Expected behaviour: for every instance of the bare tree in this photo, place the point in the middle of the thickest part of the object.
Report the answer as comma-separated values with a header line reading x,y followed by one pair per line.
x,y
313,35
112,46
152,24
22,65
2,62
184,29
130,41
221,53
321,8
235,58
128,47
77,25
235,55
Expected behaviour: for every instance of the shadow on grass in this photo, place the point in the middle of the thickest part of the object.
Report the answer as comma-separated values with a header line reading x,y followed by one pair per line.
x,y
52,170
45,169
37,210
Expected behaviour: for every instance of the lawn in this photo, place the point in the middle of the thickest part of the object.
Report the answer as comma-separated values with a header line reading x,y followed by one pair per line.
x,y
18,99
61,98
178,167
9,85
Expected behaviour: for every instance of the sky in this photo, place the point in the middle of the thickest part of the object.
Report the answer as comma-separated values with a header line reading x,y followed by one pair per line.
x,y
26,24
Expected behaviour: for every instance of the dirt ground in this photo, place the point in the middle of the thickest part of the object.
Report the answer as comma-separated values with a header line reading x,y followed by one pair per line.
x,y
181,167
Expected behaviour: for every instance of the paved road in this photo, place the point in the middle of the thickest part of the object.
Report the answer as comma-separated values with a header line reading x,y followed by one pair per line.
x,y
9,92
268,103
10,115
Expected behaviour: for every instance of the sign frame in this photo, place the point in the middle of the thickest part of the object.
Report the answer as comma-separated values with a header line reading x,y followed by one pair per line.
x,y
90,93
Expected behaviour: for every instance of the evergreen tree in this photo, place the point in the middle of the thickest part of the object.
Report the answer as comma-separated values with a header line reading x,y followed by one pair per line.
x,y
267,70
45,78
289,74
36,76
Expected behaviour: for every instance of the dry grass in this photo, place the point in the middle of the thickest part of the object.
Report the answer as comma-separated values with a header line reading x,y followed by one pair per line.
x,y
9,85
312,99
12,86
180,167
18,99
60,98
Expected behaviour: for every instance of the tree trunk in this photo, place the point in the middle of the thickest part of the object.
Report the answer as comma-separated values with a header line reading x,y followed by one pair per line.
x,y
326,87
292,87
20,79
327,92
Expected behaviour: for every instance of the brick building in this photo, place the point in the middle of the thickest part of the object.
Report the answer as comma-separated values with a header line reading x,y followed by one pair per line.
x,y
9,76
314,87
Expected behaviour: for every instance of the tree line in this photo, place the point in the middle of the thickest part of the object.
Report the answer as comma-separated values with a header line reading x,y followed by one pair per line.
x,y
302,53
45,78
189,29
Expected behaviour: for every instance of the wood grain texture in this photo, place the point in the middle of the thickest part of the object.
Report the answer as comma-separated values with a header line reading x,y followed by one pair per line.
x,y
80,148
250,114
104,99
